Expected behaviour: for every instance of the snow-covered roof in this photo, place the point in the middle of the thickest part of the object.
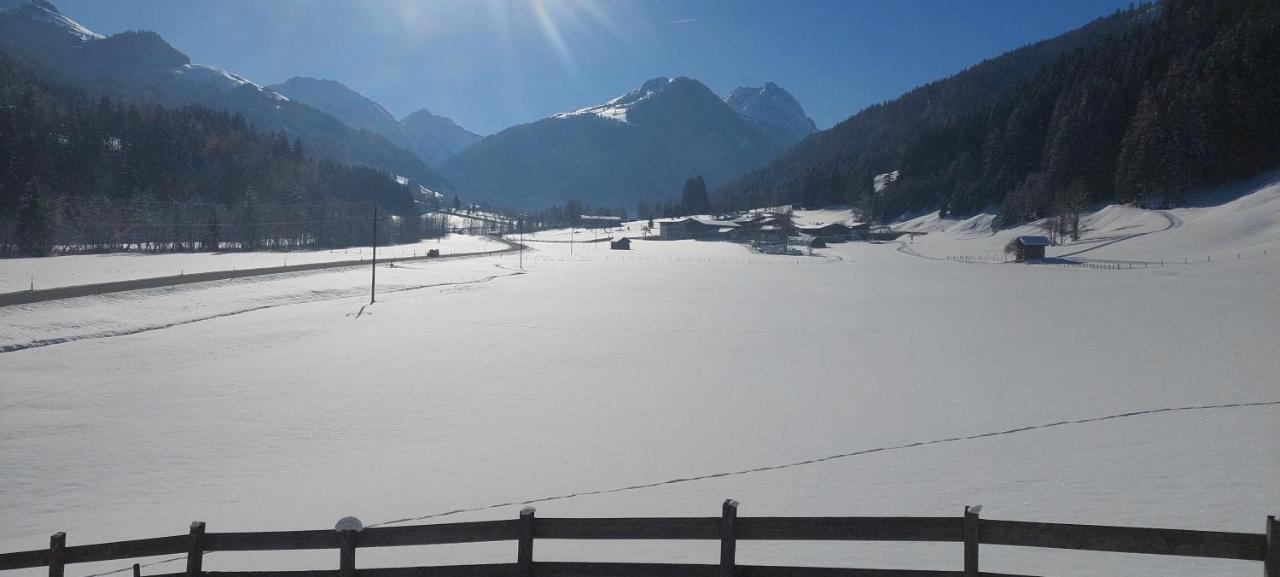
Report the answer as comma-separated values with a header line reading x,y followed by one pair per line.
x,y
1034,241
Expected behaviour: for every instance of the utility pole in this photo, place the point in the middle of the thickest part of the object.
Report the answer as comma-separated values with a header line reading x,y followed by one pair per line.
x,y
520,229
373,272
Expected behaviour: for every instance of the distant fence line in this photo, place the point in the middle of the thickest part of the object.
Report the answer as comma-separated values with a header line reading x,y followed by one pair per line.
x,y
1105,264
968,529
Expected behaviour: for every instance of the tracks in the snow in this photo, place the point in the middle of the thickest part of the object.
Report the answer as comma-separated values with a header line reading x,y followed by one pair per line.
x,y
155,327
1174,222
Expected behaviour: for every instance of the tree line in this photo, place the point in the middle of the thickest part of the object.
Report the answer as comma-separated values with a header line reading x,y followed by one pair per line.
x,y
1154,102
83,174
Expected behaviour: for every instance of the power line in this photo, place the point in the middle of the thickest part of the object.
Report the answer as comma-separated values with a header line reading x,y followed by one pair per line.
x,y
132,202
226,224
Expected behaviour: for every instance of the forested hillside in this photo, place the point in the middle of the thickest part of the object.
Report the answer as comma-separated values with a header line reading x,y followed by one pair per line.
x,y
79,173
1143,105
141,67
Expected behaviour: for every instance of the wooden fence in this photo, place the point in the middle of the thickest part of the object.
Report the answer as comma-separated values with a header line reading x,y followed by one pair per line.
x,y
728,529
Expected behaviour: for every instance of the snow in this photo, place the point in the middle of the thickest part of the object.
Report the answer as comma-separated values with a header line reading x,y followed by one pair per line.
x,y
72,26
616,109
823,217
19,274
222,79
50,15
603,370
1226,223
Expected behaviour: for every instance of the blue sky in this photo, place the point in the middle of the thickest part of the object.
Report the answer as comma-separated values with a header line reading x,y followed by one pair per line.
x,y
490,64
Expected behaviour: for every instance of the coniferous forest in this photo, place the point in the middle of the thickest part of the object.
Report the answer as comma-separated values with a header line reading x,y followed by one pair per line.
x,y
1143,106
83,174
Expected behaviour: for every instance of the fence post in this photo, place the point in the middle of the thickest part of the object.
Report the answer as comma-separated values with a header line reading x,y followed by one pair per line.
x,y
524,553
57,553
728,542
195,549
137,570
347,527
971,540
1271,559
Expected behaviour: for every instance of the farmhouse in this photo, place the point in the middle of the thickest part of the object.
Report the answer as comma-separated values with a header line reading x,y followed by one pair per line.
x,y
695,227
1028,248
838,231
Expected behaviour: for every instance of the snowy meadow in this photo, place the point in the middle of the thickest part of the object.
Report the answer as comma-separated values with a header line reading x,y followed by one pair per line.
x,y
285,402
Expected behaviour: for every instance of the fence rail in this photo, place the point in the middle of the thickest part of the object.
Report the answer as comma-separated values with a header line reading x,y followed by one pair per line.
x,y
969,529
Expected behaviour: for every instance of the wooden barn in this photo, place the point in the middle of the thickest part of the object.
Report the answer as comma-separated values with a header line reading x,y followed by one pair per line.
x,y
831,231
695,228
623,243
1027,248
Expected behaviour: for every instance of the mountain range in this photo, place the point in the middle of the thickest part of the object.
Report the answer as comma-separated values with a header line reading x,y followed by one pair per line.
x,y
640,146
432,138
140,66
1143,105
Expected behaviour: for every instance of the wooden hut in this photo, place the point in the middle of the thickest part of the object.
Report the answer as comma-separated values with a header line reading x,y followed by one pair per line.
x,y
1027,248
623,243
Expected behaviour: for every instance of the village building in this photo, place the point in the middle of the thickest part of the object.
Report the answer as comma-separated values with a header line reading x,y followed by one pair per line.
x,y
695,227
1028,248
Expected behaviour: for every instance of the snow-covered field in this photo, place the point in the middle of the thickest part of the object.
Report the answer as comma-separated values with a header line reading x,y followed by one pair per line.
x,y
20,274
1229,224
606,369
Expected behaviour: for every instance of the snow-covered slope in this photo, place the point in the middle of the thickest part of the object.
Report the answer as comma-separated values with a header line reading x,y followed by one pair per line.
x,y
351,107
45,12
142,66
617,108
774,110
1242,219
220,80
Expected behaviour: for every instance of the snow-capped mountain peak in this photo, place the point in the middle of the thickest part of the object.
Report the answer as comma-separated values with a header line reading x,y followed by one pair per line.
x,y
44,12
773,109
616,109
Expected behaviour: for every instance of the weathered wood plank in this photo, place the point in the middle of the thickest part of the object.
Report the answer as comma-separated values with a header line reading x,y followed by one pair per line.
x,y
347,553
128,549
312,573
483,570
57,554
672,528
195,550
272,541
1212,544
24,559
524,548
472,532
851,528
970,530
563,569
767,571
728,538
1271,556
